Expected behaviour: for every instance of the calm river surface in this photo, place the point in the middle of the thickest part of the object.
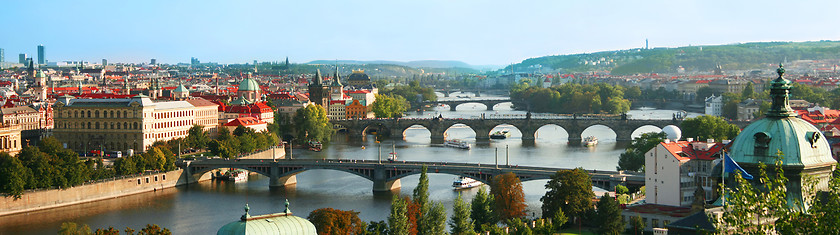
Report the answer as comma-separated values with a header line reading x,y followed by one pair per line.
x,y
203,208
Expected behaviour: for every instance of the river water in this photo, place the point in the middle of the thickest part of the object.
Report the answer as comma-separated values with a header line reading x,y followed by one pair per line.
x,y
204,207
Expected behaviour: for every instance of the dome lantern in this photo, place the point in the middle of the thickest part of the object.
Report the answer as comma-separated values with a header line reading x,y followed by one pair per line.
x,y
779,91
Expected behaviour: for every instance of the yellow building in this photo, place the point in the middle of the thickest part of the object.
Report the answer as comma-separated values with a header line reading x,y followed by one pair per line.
x,y
10,140
122,124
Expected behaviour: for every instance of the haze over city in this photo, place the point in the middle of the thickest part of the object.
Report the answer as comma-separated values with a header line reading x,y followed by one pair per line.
x,y
476,32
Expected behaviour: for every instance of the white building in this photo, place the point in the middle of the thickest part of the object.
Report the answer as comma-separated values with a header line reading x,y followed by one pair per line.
x,y
674,170
714,105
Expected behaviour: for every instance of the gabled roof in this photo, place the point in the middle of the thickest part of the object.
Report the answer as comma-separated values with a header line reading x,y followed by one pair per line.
x,y
245,121
697,221
684,150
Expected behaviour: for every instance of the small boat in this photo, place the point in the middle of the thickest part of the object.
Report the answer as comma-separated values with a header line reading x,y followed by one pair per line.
x,y
237,175
500,134
315,146
590,141
457,144
465,183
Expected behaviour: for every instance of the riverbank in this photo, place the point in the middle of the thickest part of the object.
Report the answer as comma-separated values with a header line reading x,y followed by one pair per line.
x,y
92,191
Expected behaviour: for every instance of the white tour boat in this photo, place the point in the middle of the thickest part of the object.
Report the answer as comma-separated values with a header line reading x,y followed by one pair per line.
x,y
590,141
457,144
465,183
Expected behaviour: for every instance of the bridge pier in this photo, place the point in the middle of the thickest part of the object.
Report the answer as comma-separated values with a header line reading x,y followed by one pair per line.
x,y
482,133
275,180
478,94
528,134
381,182
397,133
623,135
452,107
489,106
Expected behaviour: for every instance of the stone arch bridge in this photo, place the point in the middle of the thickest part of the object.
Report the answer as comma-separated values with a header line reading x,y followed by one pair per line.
x,y
623,128
386,175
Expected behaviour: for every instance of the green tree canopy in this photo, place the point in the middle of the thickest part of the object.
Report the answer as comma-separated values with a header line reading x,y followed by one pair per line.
x,y
709,127
569,191
311,123
633,157
460,222
609,216
333,221
387,106
482,209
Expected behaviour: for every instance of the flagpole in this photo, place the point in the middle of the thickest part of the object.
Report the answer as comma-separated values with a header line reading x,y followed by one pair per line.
x,y
723,180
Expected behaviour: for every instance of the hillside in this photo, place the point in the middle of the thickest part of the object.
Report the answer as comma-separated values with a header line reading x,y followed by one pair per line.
x,y
741,56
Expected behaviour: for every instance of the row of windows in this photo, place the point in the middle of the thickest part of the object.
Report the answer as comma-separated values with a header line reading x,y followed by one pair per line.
x,y
147,179
174,124
168,134
95,114
174,114
7,143
96,125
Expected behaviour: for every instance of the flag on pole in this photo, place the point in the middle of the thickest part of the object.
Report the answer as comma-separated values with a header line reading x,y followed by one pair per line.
x,y
730,166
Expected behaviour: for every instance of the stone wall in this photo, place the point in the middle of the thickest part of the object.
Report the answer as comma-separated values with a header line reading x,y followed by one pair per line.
x,y
89,192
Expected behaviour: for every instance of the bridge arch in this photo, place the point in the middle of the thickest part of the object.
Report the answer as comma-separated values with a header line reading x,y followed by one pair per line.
x,y
371,127
638,131
419,129
464,135
514,130
600,131
548,132
454,106
199,172
496,106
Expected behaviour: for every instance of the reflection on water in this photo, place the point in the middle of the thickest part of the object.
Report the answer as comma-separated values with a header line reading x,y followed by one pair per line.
x,y
203,208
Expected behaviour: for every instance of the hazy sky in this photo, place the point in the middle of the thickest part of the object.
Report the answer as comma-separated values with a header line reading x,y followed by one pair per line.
x,y
476,32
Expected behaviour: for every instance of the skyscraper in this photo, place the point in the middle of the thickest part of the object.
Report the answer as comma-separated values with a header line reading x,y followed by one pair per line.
x,y
104,62
41,58
2,55
22,58
153,62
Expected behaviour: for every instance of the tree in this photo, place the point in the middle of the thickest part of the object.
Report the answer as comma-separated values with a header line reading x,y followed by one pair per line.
x,y
569,191
749,202
637,224
621,189
705,92
749,91
508,195
460,222
154,229
434,221
558,220
397,220
482,212
609,216
108,231
386,106
420,196
12,176
311,123
377,228
332,221
709,127
70,228
633,158
197,137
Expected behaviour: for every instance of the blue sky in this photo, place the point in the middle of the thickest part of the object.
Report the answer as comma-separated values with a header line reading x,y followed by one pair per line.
x,y
476,32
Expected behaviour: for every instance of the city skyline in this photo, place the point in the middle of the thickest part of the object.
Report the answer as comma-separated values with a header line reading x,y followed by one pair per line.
x,y
475,32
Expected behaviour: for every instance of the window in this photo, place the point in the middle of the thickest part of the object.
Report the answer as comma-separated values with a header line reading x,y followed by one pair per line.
x,y
138,181
96,113
147,180
762,143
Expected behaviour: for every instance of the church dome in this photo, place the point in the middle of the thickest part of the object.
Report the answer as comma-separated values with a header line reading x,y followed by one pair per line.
x,y
278,223
358,75
249,85
801,143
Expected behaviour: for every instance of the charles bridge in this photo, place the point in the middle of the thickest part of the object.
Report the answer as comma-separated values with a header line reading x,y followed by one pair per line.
x,y
386,175
454,103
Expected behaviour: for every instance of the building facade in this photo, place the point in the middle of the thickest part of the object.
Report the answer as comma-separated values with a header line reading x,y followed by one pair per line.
x,y
674,170
714,105
10,139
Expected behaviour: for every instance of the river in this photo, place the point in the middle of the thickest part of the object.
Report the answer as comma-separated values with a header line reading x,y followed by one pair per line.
x,y
203,208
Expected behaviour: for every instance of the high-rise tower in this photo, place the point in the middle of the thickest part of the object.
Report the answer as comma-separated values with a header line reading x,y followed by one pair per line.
x,y
2,55
22,58
41,58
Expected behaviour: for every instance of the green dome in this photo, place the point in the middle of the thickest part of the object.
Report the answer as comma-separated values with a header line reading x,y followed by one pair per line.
x,y
278,223
801,143
269,224
249,85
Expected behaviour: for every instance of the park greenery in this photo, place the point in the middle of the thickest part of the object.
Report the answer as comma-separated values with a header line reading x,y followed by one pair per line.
x,y
311,124
569,195
243,140
413,93
387,106
633,157
70,228
571,98
706,127
740,56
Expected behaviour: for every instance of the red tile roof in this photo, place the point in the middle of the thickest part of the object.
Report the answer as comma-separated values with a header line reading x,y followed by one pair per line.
x,y
245,121
688,151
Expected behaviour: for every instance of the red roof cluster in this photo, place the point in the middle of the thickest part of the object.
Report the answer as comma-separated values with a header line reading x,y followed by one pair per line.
x,y
245,121
684,150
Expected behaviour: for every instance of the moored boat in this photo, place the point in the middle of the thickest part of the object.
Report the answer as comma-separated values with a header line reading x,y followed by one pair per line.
x,y
457,144
500,134
465,183
315,146
590,141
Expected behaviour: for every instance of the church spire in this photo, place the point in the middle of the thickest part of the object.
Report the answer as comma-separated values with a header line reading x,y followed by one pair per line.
x,y
317,80
779,91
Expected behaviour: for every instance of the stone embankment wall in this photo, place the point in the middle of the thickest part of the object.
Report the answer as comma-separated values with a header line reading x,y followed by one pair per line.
x,y
93,191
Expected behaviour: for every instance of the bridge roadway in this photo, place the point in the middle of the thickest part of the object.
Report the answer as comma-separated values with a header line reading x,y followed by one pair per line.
x,y
386,175
454,103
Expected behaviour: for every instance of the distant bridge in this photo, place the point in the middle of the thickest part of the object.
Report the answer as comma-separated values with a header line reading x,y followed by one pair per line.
x,y
454,103
386,175
477,91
